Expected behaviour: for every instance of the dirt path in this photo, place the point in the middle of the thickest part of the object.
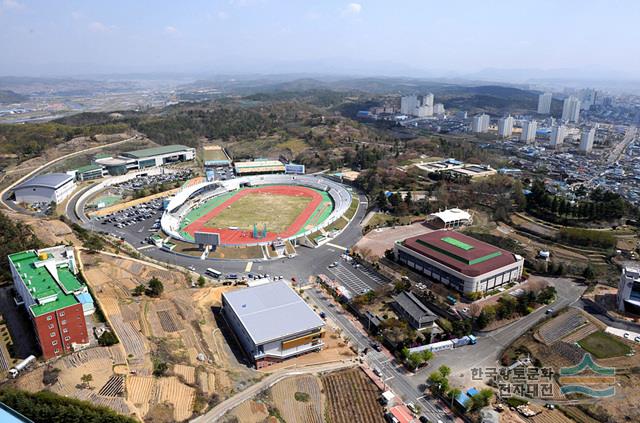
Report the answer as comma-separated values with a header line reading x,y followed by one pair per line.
x,y
221,409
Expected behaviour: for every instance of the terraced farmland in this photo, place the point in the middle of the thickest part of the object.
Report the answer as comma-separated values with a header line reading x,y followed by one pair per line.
x,y
351,397
308,410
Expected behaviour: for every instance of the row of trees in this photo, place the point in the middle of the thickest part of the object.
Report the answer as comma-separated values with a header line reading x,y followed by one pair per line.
x,y
154,288
508,307
45,406
600,204
587,237
414,360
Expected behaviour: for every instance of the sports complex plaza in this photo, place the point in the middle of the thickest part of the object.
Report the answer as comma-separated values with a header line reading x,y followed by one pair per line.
x,y
255,210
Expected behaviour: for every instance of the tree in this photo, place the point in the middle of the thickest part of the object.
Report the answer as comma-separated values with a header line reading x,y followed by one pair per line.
x,y
415,360
201,281
50,375
107,338
481,399
453,394
438,383
589,272
518,195
445,371
139,290
86,380
159,368
155,287
94,243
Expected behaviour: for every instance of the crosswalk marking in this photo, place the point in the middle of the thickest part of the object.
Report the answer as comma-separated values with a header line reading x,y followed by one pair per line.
x,y
248,267
336,246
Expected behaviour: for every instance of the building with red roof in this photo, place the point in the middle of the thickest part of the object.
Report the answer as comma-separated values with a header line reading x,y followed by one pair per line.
x,y
459,261
401,414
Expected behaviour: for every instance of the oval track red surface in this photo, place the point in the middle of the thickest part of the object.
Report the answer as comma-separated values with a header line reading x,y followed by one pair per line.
x,y
229,236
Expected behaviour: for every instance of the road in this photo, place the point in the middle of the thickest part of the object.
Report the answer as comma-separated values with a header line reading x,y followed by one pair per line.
x,y
309,262
617,151
487,351
219,410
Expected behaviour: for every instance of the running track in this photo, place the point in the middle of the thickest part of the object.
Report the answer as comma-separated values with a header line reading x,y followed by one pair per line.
x,y
229,236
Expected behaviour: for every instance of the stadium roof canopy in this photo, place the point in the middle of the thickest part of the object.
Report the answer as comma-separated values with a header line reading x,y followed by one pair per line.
x,y
50,180
452,215
272,311
460,252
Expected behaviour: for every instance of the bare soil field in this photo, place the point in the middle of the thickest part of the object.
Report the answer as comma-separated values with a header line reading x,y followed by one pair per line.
x,y
352,397
335,349
380,240
250,412
178,328
51,231
171,390
299,399
106,387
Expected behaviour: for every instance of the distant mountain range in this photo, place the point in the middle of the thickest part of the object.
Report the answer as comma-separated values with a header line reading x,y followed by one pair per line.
x,y
9,97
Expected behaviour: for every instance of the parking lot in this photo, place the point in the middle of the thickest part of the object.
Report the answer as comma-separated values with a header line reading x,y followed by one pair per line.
x,y
142,220
149,181
222,173
355,278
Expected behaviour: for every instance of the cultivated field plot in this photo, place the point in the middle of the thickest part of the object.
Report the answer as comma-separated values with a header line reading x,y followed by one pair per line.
x,y
299,399
249,412
352,397
551,416
106,387
562,326
603,345
181,396
175,328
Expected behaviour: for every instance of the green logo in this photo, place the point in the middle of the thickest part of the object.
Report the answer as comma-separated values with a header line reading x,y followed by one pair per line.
x,y
579,383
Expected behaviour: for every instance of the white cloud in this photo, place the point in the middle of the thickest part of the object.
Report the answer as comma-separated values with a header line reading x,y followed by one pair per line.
x,y
222,15
77,15
99,27
11,5
352,9
170,30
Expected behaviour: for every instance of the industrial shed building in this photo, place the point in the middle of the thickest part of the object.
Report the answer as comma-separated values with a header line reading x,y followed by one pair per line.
x,y
45,188
272,323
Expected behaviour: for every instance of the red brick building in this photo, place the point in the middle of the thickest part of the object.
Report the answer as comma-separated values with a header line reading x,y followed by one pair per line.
x,y
47,286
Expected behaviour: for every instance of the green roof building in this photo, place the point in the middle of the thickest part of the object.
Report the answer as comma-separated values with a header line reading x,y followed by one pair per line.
x,y
47,285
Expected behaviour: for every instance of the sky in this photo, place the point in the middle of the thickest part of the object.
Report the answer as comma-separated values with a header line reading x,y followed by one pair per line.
x,y
376,37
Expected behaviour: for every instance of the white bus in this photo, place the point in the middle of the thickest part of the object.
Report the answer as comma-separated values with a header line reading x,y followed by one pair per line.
x,y
213,273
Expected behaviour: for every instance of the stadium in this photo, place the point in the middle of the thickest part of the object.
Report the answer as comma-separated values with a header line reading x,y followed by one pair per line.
x,y
255,210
